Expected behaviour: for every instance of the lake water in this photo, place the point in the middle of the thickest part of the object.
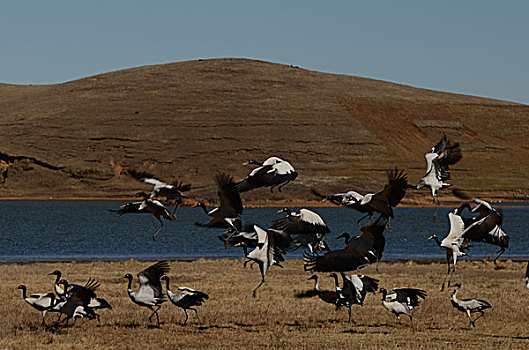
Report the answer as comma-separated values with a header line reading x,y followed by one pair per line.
x,y
87,230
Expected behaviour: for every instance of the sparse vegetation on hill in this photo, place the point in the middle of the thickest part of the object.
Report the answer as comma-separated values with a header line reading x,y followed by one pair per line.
x,y
194,119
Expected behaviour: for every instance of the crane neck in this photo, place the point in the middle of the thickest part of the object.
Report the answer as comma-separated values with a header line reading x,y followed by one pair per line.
x,y
437,241
24,292
167,285
204,209
58,278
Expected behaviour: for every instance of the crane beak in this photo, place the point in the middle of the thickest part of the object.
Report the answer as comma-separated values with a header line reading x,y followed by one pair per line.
x,y
431,237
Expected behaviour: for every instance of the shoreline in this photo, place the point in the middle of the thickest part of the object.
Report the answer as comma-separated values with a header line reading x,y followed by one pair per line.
x,y
418,261
421,203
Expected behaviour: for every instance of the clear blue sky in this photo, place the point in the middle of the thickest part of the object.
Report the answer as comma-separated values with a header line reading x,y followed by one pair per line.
x,y
473,47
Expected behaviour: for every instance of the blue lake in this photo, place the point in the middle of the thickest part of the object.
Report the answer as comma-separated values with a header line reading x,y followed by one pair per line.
x,y
87,230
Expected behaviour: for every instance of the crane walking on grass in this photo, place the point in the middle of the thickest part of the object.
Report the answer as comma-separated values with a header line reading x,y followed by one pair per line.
x,y
469,306
402,301
42,302
150,293
186,299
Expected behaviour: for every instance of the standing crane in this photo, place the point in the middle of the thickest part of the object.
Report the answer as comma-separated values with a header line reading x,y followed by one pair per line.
x,y
469,306
186,299
42,302
150,293
271,173
402,301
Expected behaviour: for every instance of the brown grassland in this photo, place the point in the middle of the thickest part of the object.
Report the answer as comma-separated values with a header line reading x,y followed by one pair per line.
x,y
193,119
231,318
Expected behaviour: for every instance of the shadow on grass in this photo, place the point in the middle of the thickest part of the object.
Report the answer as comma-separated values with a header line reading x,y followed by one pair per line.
x,y
214,326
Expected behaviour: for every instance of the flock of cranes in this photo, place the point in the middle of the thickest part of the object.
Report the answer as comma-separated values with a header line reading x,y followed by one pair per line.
x,y
304,229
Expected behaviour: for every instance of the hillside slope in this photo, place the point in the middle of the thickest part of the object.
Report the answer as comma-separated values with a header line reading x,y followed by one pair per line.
x,y
194,119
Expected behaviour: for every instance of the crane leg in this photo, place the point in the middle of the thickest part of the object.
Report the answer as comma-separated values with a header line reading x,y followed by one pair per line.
x,y
435,213
448,258
349,311
499,252
43,314
362,218
196,313
254,293
272,188
398,317
412,325
187,317
471,323
158,230
481,314
155,312
178,204
280,187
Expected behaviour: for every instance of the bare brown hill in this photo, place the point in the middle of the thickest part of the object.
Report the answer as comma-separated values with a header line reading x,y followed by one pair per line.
x,y
194,119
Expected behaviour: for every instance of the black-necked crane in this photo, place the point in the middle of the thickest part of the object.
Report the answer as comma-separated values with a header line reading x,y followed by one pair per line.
x,y
354,289
187,299
381,202
469,306
438,161
271,173
235,238
150,206
362,250
56,286
305,227
42,302
171,192
486,227
150,293
402,301
454,243
267,253
81,301
228,213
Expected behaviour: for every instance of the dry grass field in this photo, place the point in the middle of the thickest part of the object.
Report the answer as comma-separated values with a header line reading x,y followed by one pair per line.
x,y
231,318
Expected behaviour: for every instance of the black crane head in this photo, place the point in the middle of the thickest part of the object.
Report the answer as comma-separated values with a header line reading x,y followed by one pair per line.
x,y
164,278
458,285
433,236
128,276
333,275
56,273
285,210
253,162
21,286
384,292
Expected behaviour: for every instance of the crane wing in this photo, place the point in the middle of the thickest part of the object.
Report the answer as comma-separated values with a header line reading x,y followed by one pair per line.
x,y
230,199
150,278
361,251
